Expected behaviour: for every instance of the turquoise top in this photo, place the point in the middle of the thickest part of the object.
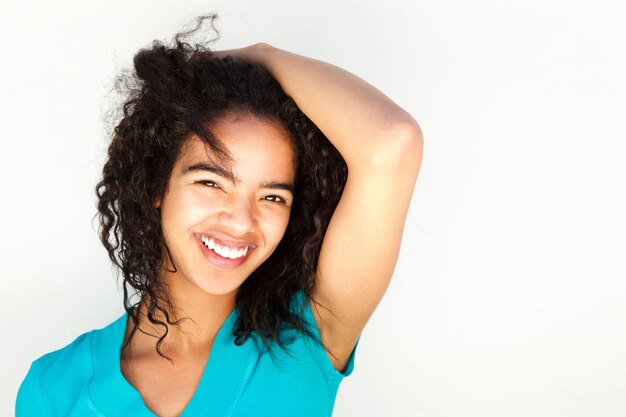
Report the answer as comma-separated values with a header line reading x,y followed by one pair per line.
x,y
84,379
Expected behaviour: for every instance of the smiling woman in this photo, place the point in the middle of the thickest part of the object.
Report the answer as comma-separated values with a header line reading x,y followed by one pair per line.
x,y
241,239
228,211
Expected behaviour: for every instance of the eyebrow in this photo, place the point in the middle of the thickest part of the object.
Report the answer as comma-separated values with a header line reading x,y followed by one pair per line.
x,y
222,172
228,174
277,186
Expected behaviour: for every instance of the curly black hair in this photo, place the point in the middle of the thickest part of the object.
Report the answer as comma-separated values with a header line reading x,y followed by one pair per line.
x,y
175,92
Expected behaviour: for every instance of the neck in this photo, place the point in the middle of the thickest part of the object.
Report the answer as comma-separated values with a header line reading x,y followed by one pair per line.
x,y
199,315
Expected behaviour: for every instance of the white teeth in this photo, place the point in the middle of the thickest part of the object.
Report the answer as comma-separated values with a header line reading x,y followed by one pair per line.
x,y
223,251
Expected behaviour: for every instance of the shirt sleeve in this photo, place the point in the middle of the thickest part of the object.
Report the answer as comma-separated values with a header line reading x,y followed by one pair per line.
x,y
30,401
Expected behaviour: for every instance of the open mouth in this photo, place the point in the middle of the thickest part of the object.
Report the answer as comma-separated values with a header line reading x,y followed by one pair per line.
x,y
223,250
222,255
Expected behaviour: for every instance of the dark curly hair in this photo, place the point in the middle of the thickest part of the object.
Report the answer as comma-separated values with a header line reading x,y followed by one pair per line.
x,y
175,92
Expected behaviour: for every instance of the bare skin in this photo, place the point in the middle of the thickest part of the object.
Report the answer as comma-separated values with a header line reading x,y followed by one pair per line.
x,y
166,386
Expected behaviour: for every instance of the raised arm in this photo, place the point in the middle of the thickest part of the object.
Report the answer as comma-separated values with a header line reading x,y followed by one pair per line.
x,y
382,146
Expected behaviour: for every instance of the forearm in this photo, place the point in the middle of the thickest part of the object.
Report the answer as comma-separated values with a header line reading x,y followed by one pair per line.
x,y
360,121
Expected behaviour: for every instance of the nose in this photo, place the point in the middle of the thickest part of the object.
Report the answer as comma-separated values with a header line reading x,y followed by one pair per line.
x,y
238,216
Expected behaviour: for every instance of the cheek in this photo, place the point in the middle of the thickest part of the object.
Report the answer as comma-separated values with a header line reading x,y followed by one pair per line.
x,y
275,228
182,210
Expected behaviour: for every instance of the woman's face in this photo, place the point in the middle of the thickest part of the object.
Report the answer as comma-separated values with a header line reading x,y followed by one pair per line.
x,y
220,223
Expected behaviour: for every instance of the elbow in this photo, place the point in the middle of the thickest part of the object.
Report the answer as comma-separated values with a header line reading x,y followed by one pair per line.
x,y
402,149
262,46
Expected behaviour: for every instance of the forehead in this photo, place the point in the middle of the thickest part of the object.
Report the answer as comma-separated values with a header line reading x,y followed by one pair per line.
x,y
251,144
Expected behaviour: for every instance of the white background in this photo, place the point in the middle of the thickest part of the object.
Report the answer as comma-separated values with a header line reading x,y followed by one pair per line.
x,y
509,295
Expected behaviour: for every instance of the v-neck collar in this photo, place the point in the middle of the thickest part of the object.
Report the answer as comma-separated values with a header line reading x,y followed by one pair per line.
x,y
228,368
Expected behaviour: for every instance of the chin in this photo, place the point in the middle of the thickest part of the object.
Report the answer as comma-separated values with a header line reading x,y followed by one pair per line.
x,y
217,286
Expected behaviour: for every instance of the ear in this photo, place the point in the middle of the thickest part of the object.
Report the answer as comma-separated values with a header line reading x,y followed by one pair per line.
x,y
157,203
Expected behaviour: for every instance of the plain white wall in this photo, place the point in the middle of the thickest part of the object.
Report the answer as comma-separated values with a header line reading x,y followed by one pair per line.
x,y
508,298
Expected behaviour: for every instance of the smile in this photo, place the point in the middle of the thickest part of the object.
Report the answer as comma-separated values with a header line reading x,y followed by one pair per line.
x,y
222,250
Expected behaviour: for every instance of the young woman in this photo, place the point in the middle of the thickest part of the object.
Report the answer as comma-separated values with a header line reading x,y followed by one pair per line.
x,y
254,201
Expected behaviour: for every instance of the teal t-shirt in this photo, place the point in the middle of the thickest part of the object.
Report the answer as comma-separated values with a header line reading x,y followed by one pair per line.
x,y
84,379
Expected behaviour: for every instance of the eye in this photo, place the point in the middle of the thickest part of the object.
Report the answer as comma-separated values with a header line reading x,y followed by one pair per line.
x,y
208,183
276,199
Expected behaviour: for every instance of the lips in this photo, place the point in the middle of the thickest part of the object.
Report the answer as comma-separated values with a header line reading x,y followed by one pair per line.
x,y
225,247
226,250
